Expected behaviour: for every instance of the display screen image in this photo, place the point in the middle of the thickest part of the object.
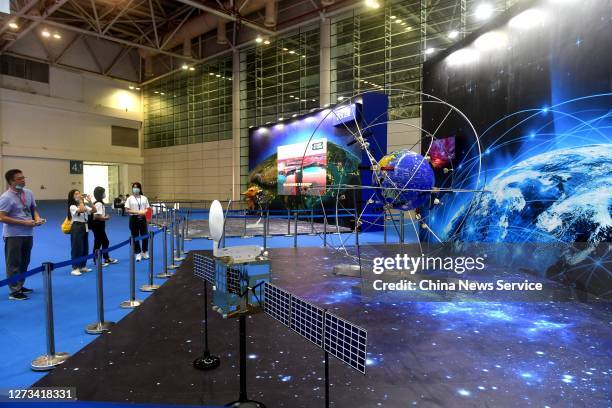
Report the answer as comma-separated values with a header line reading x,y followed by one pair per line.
x,y
442,152
302,167
296,162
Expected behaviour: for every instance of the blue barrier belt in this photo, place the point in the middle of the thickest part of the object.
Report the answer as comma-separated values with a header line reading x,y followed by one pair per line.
x,y
16,278
21,276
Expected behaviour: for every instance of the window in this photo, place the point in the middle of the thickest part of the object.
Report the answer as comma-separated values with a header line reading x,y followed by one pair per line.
x,y
277,81
23,68
189,106
122,136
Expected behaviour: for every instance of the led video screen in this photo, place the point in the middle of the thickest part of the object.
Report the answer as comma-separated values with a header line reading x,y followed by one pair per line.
x,y
302,167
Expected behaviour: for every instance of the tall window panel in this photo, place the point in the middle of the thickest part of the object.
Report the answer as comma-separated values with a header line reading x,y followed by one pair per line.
x,y
190,106
385,48
277,81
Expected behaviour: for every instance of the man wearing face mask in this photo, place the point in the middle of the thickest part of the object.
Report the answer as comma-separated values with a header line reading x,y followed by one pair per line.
x,y
19,214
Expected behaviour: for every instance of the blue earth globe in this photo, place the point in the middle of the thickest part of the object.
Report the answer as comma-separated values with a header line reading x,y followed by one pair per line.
x,y
407,179
560,196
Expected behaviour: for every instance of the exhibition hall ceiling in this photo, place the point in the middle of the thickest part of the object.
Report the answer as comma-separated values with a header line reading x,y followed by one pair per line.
x,y
139,40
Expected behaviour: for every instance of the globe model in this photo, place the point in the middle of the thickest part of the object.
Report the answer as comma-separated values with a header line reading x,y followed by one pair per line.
x,y
560,196
407,179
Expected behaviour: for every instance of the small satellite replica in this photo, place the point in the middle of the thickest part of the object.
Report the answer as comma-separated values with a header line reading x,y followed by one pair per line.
x,y
240,279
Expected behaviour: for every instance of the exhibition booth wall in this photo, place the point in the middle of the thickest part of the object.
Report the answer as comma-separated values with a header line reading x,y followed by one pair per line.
x,y
535,84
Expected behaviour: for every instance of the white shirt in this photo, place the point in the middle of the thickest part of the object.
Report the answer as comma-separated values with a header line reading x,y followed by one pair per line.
x,y
79,217
100,209
137,203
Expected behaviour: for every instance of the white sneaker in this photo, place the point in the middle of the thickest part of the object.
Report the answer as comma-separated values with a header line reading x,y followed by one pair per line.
x,y
85,269
145,255
76,272
138,257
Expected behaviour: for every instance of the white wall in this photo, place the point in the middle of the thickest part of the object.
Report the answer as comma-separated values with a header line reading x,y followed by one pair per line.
x,y
70,119
201,171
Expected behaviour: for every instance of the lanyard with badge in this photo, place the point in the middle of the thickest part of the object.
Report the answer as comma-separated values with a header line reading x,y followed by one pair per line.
x,y
24,201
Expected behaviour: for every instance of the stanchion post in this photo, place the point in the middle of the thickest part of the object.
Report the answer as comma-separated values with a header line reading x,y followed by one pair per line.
x,y
52,359
288,223
324,230
295,230
172,254
268,222
401,231
183,235
100,326
164,274
150,286
187,220
265,233
385,228
132,302
177,237
312,230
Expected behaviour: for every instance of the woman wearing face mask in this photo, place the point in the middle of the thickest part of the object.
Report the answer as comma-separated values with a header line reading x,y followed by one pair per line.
x,y
98,226
79,210
136,206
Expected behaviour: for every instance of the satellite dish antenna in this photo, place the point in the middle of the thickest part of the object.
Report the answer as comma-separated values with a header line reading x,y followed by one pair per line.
x,y
216,220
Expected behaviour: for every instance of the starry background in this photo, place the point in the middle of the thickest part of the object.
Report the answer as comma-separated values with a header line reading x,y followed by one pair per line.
x,y
430,354
538,95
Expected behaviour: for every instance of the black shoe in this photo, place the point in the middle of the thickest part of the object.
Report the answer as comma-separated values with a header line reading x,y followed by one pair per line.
x,y
26,290
18,296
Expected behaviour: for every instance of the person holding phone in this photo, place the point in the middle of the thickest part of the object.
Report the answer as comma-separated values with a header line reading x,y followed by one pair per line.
x,y
136,206
19,215
98,226
79,209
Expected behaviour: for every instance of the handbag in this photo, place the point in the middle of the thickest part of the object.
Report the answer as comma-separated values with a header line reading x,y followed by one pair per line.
x,y
66,226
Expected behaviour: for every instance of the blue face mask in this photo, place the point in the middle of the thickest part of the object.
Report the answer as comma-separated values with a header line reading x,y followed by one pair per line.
x,y
19,186
136,190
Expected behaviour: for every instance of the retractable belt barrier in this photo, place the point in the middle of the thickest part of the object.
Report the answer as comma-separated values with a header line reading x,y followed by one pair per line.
x,y
57,265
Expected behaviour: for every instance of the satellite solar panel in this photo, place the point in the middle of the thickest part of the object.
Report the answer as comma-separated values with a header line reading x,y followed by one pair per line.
x,y
233,280
204,267
345,341
277,303
307,320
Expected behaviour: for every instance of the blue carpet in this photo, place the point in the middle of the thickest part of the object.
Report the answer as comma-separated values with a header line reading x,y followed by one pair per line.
x,y
22,324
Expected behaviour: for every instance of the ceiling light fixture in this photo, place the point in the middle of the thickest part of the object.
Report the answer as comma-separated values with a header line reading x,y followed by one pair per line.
x,y
191,68
373,4
453,34
259,40
13,25
185,66
46,33
484,11
57,36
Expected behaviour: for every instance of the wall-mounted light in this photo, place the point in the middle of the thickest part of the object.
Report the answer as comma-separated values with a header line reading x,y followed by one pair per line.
x,y
131,87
